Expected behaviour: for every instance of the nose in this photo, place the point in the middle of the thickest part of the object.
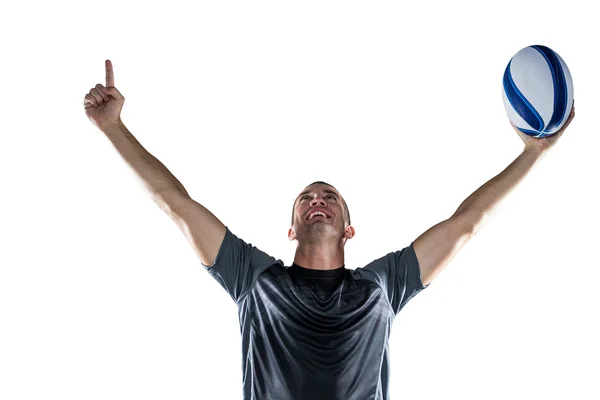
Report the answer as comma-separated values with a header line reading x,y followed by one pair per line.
x,y
318,201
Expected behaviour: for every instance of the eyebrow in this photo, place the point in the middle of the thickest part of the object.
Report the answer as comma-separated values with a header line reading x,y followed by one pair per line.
x,y
326,191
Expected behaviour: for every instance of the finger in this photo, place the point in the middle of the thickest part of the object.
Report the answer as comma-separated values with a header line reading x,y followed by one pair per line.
x,y
572,109
110,76
97,96
102,91
571,116
89,99
568,121
115,94
514,126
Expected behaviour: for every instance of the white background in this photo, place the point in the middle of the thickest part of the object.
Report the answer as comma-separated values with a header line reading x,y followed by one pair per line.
x,y
397,104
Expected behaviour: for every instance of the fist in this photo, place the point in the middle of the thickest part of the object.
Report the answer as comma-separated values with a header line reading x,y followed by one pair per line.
x,y
103,104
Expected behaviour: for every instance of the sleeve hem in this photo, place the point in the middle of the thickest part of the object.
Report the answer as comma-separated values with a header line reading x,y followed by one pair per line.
x,y
222,248
414,255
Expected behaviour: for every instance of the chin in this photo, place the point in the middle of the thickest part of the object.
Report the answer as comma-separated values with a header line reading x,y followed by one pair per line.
x,y
319,231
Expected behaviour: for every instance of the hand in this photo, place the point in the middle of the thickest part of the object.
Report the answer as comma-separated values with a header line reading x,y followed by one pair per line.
x,y
543,144
103,105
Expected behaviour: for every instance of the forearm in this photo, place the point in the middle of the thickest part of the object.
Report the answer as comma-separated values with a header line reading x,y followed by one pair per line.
x,y
479,205
155,177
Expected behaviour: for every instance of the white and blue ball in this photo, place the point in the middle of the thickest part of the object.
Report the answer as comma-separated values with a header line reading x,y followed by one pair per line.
x,y
538,91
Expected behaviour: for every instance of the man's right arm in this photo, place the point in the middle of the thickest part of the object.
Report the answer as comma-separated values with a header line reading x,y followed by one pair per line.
x,y
238,266
203,230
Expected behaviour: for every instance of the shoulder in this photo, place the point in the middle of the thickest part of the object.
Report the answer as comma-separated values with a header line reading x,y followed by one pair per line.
x,y
391,266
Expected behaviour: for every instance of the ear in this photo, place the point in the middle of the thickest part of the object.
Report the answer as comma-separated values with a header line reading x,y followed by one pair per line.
x,y
291,234
349,232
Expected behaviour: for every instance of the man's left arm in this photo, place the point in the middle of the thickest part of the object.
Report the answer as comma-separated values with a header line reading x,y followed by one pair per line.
x,y
436,247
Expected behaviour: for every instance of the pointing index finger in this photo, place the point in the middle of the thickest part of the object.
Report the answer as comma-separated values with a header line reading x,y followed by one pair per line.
x,y
110,77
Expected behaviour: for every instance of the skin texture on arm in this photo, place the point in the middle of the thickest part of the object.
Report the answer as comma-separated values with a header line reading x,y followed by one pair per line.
x,y
436,247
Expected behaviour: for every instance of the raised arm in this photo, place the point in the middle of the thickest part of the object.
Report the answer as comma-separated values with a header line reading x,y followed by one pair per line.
x,y
204,231
436,247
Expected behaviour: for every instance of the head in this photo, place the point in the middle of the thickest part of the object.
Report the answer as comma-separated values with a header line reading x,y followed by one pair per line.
x,y
336,222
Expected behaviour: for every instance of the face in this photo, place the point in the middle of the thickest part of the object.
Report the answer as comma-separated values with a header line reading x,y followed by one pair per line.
x,y
319,215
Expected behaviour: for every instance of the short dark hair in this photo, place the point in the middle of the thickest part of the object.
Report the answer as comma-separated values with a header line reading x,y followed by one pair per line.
x,y
346,211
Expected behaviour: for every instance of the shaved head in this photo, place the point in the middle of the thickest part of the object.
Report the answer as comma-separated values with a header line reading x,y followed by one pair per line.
x,y
335,191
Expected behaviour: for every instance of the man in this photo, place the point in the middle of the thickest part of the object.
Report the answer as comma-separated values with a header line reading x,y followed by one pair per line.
x,y
313,330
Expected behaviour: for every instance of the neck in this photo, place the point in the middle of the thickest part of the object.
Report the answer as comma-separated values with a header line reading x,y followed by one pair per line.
x,y
323,256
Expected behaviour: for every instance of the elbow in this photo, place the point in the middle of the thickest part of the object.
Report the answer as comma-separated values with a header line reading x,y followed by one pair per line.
x,y
471,222
169,202
478,223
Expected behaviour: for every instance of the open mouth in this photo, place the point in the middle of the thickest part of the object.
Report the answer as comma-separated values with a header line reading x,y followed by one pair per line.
x,y
317,214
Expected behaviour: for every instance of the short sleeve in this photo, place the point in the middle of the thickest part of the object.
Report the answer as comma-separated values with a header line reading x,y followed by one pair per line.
x,y
238,264
399,275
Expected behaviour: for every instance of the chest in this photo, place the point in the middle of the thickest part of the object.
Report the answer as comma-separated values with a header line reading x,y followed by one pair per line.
x,y
318,306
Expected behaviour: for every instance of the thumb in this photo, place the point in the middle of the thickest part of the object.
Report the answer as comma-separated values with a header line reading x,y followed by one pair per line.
x,y
112,91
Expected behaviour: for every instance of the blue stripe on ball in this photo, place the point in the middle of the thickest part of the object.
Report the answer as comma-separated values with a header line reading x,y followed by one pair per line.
x,y
520,103
534,133
560,87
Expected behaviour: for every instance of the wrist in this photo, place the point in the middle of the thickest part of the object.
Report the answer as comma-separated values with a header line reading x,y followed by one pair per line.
x,y
111,126
535,149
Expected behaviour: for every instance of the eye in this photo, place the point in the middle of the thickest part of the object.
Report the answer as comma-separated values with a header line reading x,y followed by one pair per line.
x,y
332,196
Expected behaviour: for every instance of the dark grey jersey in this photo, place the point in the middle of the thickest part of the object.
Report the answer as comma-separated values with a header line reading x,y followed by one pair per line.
x,y
312,334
